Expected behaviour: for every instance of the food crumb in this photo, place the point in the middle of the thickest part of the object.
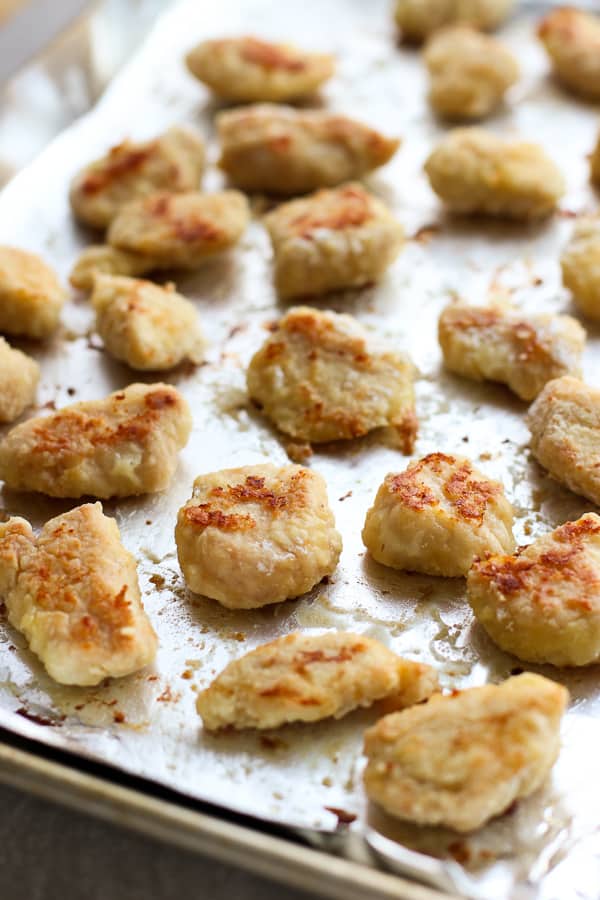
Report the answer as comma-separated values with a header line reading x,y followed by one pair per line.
x,y
460,852
425,234
343,817
167,696
270,742
297,452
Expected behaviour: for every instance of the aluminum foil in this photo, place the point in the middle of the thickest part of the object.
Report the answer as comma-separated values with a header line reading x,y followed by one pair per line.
x,y
549,845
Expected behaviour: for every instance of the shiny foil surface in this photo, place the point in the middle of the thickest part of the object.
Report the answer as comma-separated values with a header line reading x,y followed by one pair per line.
x,y
549,845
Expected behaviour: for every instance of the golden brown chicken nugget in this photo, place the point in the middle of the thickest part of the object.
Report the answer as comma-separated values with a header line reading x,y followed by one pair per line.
x,y
308,677
144,325
172,162
257,535
469,72
498,343
31,296
281,150
249,70
476,172
73,591
437,516
572,40
419,18
543,603
180,230
564,422
122,445
462,759
334,239
19,377
320,376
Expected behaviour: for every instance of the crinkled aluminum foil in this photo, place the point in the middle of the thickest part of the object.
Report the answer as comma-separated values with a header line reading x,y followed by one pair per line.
x,y
550,844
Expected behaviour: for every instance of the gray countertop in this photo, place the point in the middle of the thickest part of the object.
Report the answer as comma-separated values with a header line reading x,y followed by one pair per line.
x,y
48,852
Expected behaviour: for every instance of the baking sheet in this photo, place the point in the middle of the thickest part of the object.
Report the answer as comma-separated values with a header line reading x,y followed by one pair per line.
x,y
147,724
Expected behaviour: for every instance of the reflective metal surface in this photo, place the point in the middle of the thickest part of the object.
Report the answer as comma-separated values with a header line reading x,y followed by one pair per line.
x,y
70,72
549,845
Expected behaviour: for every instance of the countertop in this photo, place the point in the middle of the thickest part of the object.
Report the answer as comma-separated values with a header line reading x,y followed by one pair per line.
x,y
48,852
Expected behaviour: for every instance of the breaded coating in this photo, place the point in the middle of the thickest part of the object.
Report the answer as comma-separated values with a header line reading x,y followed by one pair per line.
x,y
308,677
281,150
572,40
469,72
102,259
31,296
580,263
19,377
498,343
129,171
564,423
543,603
417,19
320,376
595,164
437,516
73,591
249,70
462,759
477,173
257,535
180,230
144,325
122,445
333,239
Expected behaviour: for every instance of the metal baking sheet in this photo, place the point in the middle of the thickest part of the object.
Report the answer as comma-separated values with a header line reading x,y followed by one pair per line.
x,y
550,844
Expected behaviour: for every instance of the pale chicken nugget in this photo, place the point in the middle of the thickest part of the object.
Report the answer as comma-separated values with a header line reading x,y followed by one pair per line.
x,y
543,603
417,19
248,70
73,591
469,73
172,162
281,150
144,325
475,172
462,759
31,296
580,264
102,259
19,377
320,376
564,422
307,677
257,535
333,239
572,40
180,230
122,445
437,516
498,343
